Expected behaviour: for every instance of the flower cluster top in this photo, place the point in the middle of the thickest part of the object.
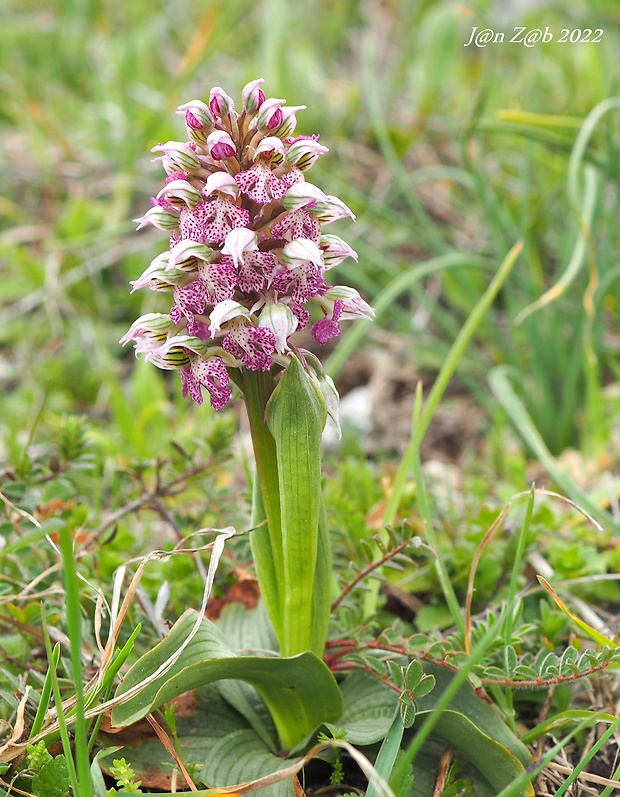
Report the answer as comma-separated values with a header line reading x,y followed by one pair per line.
x,y
247,250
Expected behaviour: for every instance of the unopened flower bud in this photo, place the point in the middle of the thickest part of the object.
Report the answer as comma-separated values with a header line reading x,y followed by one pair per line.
x,y
238,241
331,209
289,121
253,96
270,116
221,146
335,250
301,195
353,306
268,147
157,277
301,251
225,311
176,352
198,119
220,103
153,328
280,320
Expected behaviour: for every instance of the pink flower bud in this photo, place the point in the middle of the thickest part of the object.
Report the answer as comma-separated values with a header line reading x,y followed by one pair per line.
x,y
220,103
198,119
253,96
221,146
270,115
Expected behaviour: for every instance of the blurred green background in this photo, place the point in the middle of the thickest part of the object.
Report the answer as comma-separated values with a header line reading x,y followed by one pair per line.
x,y
447,154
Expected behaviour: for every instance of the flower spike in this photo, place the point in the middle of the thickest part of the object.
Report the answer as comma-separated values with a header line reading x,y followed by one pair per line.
x,y
248,253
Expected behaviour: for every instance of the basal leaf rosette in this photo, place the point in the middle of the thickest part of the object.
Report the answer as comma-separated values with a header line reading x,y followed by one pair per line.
x,y
247,255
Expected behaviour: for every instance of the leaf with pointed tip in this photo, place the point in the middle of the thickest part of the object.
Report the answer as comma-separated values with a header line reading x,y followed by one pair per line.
x,y
300,692
476,729
296,416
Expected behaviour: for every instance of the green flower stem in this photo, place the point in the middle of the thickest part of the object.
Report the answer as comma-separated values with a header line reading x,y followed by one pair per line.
x,y
266,540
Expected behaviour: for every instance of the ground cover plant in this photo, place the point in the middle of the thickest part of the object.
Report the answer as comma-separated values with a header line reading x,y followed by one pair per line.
x,y
198,597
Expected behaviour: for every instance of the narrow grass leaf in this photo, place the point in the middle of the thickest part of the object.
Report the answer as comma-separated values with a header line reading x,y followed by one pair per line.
x,y
74,623
504,392
386,756
597,636
46,692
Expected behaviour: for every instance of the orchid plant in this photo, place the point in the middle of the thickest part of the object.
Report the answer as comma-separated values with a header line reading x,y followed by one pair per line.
x,y
246,269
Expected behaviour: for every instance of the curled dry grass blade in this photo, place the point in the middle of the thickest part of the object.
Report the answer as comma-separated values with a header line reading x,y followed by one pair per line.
x,y
95,687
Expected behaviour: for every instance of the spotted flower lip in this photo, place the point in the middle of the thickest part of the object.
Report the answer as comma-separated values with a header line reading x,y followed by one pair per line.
x,y
248,256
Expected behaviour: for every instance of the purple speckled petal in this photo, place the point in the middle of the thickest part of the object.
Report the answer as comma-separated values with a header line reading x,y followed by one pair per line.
x,y
328,327
219,279
255,270
301,282
298,224
260,184
189,300
252,345
210,222
211,374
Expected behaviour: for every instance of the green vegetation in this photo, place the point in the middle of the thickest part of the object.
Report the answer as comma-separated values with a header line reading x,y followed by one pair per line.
x,y
474,531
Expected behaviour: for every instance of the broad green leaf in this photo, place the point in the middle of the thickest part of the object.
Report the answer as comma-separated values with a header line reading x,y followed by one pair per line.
x,y
322,586
240,757
369,708
296,416
216,741
99,785
427,764
476,729
249,631
52,780
300,692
